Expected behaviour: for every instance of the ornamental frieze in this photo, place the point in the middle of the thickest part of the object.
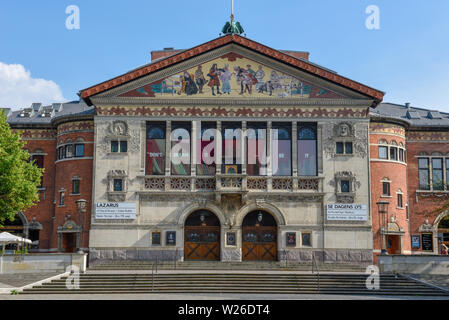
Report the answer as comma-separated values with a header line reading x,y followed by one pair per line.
x,y
232,112
427,136
387,128
36,134
76,126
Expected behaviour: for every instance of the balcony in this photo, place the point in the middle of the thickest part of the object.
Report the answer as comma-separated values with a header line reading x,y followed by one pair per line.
x,y
232,183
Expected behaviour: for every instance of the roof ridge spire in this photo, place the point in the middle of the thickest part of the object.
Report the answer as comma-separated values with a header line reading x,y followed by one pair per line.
x,y
232,27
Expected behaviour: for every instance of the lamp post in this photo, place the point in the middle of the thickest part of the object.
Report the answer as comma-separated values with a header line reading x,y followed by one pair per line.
x,y
81,205
382,208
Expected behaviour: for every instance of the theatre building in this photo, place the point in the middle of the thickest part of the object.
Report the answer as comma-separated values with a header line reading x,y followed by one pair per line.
x,y
231,151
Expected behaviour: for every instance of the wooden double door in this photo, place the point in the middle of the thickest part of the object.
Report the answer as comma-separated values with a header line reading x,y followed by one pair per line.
x,y
202,243
259,243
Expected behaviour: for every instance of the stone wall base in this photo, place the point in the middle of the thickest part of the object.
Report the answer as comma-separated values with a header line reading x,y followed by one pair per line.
x,y
330,256
118,255
334,256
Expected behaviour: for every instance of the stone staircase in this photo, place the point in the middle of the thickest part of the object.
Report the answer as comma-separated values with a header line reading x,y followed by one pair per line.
x,y
98,282
218,265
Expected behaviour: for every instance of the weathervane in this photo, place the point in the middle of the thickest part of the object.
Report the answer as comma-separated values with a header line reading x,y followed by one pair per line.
x,y
232,27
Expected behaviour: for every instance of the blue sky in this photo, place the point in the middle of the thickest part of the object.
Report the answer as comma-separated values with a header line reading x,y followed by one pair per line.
x,y
408,58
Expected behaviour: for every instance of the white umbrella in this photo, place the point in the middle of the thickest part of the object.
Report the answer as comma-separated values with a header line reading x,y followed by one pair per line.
x,y
6,238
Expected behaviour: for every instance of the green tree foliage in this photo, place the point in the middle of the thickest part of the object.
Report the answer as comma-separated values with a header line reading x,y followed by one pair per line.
x,y
19,179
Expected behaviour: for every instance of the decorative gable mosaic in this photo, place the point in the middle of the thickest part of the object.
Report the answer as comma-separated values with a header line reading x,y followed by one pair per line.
x,y
232,75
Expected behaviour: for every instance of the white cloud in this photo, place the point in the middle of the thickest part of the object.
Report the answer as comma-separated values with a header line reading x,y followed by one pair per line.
x,y
18,89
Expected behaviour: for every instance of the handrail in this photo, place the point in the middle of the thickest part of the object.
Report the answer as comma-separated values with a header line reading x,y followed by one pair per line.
x,y
317,269
175,258
154,267
286,258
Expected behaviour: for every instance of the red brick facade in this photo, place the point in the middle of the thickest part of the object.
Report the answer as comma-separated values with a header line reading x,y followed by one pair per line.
x,y
48,216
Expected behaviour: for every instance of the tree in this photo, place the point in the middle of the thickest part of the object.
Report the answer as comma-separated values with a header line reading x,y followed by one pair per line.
x,y
19,178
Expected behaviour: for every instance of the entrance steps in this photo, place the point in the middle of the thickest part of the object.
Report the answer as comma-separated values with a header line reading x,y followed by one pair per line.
x,y
218,265
256,282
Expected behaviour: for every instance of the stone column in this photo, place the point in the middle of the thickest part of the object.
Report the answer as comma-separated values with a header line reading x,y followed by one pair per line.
x,y
218,147
269,156
167,154
295,155
167,148
295,148
319,137
244,146
193,148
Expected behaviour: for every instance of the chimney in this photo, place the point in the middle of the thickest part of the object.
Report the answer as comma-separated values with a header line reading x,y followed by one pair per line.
x,y
163,53
297,54
407,105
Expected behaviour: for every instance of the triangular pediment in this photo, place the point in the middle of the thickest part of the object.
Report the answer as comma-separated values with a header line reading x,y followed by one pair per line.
x,y
232,76
228,68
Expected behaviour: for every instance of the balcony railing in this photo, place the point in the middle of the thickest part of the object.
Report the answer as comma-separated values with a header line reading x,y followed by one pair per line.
x,y
229,183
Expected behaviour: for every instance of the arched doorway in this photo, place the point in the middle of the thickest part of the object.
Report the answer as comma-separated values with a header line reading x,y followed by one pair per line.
x,y
443,233
259,236
202,236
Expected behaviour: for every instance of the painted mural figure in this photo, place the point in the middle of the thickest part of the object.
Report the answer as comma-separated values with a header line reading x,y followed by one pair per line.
x,y
245,79
214,80
260,75
188,85
225,78
200,80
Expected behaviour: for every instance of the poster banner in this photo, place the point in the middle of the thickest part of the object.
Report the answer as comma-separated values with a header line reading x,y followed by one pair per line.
x,y
115,210
347,212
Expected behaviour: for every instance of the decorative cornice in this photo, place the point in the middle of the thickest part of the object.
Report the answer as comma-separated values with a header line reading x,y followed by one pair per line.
x,y
233,111
431,136
76,126
182,56
30,134
376,127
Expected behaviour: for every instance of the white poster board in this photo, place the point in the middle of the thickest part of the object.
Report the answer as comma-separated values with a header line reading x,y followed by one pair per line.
x,y
346,212
115,210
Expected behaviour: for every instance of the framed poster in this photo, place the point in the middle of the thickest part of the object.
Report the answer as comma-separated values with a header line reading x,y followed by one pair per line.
x,y
427,241
291,239
230,239
416,241
170,238
156,238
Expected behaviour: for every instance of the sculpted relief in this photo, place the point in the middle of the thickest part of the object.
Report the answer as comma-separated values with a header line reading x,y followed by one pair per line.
x,y
346,132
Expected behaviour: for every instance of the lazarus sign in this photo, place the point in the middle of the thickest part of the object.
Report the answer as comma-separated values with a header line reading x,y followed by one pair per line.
x,y
347,212
114,210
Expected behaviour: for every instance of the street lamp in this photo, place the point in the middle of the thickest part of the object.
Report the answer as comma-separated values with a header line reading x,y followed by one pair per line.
x,y
382,208
81,205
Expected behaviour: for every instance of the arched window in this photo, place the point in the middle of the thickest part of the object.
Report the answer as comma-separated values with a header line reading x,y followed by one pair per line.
x,y
307,150
281,149
256,153
155,158
180,146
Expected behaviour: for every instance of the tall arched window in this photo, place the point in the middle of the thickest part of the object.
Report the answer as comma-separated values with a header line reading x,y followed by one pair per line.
x,y
281,149
155,158
307,150
180,148
256,153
